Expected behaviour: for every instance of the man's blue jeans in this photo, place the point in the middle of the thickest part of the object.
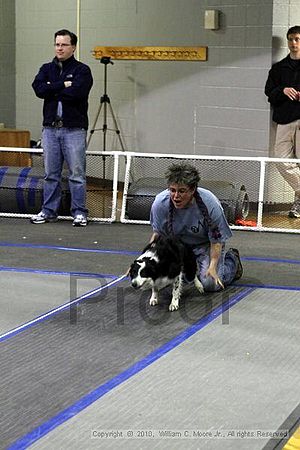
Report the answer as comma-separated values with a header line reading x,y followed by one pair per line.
x,y
59,145
227,267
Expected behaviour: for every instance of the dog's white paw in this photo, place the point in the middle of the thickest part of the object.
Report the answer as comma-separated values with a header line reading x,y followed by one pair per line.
x,y
153,301
199,285
173,306
200,289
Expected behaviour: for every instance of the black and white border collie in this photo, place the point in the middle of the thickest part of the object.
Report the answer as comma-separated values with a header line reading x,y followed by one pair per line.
x,y
164,262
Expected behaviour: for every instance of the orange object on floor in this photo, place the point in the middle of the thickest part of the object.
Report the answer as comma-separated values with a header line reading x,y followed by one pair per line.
x,y
246,223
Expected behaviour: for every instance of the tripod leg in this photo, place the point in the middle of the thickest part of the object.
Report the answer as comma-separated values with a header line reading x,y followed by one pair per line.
x,y
116,126
94,124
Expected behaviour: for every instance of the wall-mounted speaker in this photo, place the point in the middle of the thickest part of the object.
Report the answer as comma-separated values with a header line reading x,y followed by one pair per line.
x,y
211,19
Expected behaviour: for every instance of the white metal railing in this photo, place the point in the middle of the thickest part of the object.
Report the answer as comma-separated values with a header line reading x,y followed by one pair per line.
x,y
114,178
124,175
261,186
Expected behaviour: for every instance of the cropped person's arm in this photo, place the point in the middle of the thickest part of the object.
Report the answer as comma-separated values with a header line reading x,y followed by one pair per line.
x,y
80,85
215,253
154,236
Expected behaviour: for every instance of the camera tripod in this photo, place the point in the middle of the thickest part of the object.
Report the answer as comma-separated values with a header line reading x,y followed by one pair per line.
x,y
105,103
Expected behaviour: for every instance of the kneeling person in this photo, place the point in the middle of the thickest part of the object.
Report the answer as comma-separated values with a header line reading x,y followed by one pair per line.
x,y
196,216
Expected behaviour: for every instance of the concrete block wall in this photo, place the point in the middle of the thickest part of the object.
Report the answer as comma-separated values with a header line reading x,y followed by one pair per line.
x,y
7,65
216,107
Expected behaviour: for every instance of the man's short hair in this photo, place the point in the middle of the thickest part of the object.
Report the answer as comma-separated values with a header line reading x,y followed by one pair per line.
x,y
293,30
73,36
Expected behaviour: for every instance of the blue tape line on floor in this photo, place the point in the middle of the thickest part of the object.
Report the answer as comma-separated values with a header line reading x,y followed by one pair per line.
x,y
55,272
127,252
259,259
70,249
57,310
268,286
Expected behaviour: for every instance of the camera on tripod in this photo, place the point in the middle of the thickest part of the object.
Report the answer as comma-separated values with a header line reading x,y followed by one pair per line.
x,y
106,60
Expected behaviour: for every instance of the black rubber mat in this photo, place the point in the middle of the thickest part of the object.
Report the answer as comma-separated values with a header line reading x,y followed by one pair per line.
x,y
49,366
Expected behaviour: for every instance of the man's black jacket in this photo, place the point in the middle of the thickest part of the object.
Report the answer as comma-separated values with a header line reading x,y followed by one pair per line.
x,y
285,73
49,85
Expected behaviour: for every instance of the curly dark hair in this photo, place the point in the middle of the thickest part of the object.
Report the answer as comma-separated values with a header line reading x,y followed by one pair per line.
x,y
182,173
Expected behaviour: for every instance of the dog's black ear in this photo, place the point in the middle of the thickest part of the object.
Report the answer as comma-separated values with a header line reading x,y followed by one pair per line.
x,y
133,269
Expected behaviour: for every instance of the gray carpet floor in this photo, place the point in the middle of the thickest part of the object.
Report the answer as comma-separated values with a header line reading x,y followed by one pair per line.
x,y
222,362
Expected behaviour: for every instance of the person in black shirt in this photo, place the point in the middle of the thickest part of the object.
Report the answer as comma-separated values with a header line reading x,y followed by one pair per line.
x,y
283,91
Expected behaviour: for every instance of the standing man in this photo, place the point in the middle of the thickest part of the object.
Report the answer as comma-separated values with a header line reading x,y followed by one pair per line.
x,y
64,85
283,92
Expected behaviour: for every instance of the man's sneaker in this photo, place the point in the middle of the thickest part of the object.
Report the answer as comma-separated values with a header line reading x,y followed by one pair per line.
x,y
80,221
239,270
41,217
295,210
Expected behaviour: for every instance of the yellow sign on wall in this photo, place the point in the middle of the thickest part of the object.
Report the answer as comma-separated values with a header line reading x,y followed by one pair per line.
x,y
152,53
